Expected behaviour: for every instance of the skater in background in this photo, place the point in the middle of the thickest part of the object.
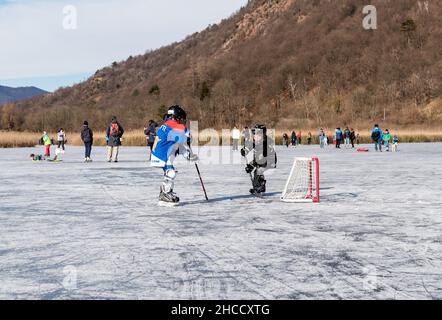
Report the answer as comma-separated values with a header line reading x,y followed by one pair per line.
x,y
338,137
294,139
347,133
376,137
114,133
352,138
87,136
61,139
246,135
299,138
260,158
386,137
309,138
395,143
285,140
236,137
47,142
358,139
151,133
322,138
172,140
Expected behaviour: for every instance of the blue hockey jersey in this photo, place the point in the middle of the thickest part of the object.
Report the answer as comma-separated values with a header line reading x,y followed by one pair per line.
x,y
172,138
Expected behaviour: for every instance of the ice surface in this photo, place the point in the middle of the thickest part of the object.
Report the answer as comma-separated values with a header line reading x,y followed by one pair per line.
x,y
72,230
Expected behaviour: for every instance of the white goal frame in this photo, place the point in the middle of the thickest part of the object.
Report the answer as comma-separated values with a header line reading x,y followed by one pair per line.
x,y
312,193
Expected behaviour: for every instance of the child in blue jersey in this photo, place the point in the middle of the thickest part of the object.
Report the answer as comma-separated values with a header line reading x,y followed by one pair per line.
x,y
173,138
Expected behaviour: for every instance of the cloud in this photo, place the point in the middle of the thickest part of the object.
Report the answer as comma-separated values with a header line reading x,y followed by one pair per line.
x,y
34,42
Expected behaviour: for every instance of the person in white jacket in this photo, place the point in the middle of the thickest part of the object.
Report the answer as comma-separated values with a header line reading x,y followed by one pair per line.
x,y
236,136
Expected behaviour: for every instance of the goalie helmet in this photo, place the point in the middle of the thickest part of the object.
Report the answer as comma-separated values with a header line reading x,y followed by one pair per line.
x,y
177,112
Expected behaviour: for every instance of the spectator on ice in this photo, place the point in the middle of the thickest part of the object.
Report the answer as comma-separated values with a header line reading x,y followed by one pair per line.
x,y
236,137
395,143
352,137
61,139
347,133
87,136
294,139
387,139
114,133
285,140
322,138
339,136
376,136
299,138
246,133
47,142
309,138
151,133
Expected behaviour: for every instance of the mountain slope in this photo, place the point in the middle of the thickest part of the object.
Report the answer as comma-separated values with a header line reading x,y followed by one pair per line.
x,y
289,63
8,94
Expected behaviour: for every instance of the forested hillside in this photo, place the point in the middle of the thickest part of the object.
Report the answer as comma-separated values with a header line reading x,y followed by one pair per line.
x,y
289,63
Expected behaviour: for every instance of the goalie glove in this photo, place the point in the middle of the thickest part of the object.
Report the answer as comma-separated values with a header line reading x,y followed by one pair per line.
x,y
244,152
250,167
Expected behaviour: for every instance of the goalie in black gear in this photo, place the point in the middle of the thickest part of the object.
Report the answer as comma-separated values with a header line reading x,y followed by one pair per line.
x,y
260,155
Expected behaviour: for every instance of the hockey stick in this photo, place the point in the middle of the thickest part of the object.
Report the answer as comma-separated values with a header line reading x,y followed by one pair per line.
x,y
201,180
251,173
199,173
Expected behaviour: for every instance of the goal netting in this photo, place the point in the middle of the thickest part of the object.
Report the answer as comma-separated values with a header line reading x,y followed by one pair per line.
x,y
303,182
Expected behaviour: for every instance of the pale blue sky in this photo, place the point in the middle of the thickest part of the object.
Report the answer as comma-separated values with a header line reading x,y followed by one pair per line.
x,y
38,51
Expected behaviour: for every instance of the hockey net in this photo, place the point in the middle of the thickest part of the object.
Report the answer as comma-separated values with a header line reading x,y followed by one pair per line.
x,y
303,182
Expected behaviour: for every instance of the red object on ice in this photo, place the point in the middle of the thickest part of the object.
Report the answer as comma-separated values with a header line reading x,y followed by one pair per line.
x,y
363,150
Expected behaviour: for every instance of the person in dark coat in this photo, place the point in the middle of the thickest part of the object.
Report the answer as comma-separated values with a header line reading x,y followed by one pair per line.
x,y
339,137
114,133
87,136
294,139
353,138
151,134
285,140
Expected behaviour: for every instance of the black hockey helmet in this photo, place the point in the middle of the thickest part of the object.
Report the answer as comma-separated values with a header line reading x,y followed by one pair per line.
x,y
177,112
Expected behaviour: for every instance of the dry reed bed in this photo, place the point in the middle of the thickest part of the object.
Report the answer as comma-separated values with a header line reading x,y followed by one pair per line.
x,y
137,138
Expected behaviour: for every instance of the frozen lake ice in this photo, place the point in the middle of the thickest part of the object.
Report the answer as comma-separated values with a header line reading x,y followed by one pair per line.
x,y
94,231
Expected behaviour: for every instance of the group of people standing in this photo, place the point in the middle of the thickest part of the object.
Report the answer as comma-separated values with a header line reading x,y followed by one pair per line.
x,y
295,139
115,132
381,138
114,136
47,142
347,137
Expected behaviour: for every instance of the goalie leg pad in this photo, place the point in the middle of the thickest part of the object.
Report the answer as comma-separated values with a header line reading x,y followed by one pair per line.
x,y
259,183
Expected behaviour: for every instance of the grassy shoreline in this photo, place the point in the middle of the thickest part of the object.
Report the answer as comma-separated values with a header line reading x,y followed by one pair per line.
x,y
136,138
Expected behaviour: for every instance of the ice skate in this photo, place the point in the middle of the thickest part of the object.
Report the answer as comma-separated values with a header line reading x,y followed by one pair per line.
x,y
168,199
256,193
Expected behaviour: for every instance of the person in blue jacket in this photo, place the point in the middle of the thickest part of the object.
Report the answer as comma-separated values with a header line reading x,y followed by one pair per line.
x,y
377,137
339,136
173,139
